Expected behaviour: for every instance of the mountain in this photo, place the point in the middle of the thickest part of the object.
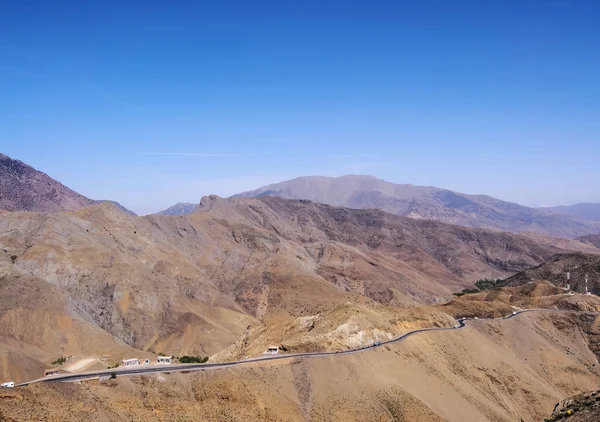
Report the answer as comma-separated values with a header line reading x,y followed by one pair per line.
x,y
421,202
181,208
586,211
99,281
23,188
240,274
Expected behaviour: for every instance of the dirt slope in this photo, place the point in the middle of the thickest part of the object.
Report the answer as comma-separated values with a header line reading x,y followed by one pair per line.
x,y
499,371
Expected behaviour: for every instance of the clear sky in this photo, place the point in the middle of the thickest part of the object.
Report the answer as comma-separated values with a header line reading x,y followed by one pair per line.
x,y
153,103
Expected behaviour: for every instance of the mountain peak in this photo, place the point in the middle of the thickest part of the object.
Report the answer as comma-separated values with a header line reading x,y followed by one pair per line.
x,y
23,188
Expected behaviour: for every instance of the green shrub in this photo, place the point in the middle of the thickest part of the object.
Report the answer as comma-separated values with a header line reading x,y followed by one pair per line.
x,y
485,284
192,359
59,361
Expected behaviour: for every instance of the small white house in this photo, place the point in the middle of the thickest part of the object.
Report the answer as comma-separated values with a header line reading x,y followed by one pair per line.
x,y
273,350
130,362
50,372
146,361
167,360
9,384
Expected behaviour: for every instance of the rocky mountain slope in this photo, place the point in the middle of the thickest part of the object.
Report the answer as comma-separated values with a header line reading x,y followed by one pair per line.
x,y
23,188
181,208
99,281
423,202
555,271
583,407
586,211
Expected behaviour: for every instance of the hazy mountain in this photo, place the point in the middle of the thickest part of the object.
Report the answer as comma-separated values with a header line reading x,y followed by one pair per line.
x,y
181,208
426,202
23,188
586,211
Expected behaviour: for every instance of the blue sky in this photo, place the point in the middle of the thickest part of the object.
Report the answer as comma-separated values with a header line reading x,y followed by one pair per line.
x,y
155,103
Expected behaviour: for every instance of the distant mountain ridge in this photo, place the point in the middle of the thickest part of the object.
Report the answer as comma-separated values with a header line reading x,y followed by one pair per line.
x,y
363,192
181,208
586,211
23,188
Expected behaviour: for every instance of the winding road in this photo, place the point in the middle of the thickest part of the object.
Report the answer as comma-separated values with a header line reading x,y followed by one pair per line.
x,y
144,369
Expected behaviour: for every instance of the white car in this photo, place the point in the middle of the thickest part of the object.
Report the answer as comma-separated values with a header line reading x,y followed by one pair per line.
x,y
10,384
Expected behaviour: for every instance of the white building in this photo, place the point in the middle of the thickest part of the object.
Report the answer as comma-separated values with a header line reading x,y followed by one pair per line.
x,y
165,359
273,350
130,362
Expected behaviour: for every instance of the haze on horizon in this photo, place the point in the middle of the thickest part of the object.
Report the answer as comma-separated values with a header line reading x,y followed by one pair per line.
x,y
164,104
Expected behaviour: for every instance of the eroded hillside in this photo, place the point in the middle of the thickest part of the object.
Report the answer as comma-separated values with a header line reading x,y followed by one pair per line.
x,y
196,284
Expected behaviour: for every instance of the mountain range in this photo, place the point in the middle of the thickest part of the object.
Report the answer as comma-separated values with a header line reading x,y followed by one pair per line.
x,y
192,284
586,211
424,202
23,188
228,277
182,208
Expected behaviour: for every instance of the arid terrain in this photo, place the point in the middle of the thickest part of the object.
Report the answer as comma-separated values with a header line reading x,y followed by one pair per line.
x,y
490,371
194,284
235,276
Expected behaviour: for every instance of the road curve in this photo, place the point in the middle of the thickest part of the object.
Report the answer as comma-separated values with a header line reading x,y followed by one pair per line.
x,y
142,369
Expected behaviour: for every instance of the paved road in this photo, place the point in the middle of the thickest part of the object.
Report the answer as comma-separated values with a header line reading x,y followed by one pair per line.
x,y
146,369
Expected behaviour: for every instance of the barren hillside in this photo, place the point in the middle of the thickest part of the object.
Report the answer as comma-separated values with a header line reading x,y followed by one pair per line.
x,y
194,284
501,371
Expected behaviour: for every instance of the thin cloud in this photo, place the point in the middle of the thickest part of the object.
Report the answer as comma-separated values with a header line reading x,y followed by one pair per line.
x,y
185,154
356,155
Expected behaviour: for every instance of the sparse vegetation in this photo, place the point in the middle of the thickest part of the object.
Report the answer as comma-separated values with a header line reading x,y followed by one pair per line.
x,y
60,361
192,359
483,284
466,292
